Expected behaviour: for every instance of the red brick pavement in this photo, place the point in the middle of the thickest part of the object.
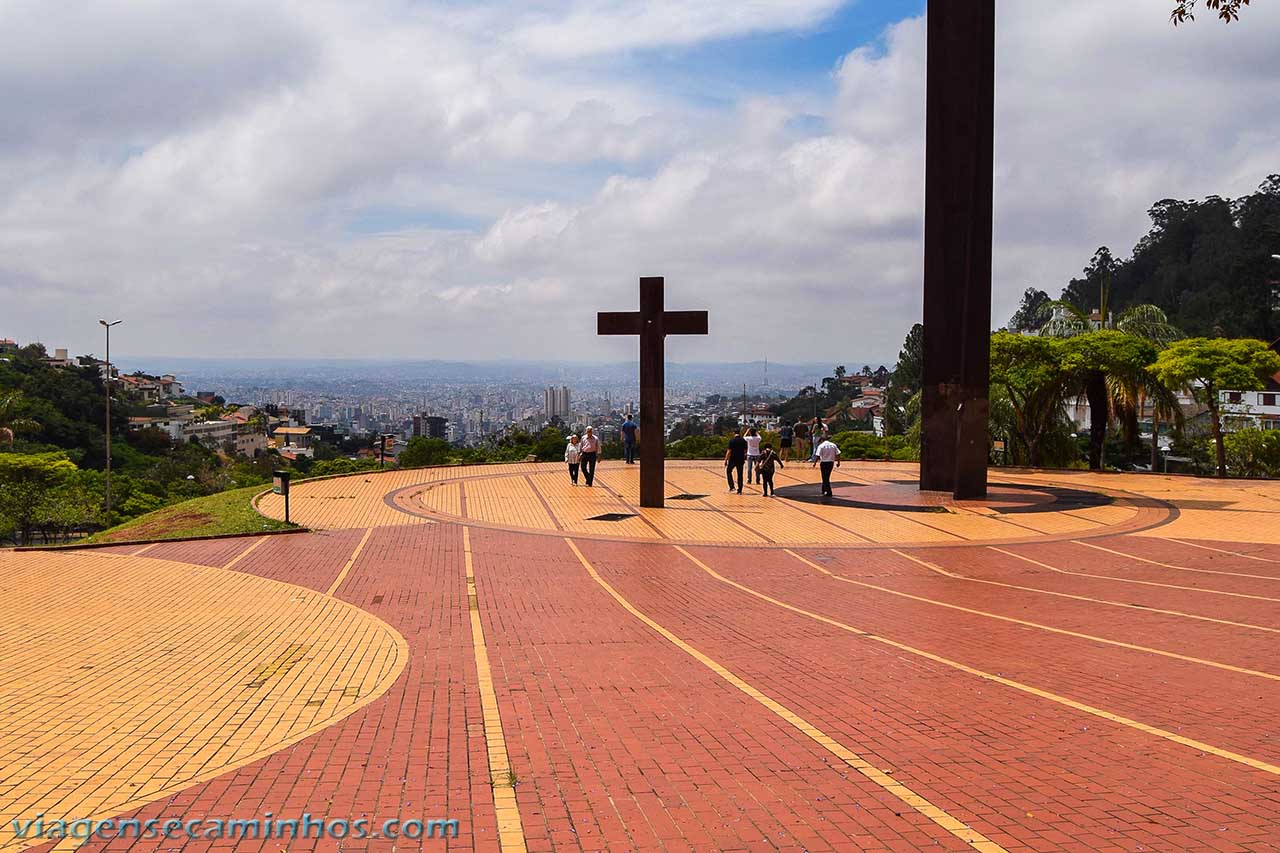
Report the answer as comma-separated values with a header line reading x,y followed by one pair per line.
x,y
1183,554
619,740
417,752
628,743
1082,558
1236,645
1027,772
1226,709
209,552
990,563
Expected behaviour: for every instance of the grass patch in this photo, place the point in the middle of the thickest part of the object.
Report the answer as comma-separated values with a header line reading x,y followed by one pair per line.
x,y
213,515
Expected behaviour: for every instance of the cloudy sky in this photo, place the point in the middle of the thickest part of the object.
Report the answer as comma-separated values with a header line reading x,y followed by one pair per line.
x,y
441,179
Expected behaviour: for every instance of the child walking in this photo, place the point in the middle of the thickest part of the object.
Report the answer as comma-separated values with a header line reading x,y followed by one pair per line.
x,y
764,466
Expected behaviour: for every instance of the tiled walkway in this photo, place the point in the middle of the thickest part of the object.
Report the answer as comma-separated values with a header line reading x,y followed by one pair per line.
x,y
740,674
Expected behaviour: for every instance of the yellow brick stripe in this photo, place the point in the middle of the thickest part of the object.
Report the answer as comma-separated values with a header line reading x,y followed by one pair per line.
x,y
1027,624
351,561
997,679
1131,580
939,570
1225,551
510,829
1175,566
879,777
246,552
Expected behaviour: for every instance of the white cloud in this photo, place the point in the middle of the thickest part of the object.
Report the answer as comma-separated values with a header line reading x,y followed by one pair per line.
x,y
211,174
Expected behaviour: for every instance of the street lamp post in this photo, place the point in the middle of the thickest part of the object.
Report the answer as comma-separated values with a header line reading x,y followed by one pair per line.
x,y
108,326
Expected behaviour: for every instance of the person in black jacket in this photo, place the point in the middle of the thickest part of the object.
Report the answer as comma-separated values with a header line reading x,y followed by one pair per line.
x,y
768,459
734,458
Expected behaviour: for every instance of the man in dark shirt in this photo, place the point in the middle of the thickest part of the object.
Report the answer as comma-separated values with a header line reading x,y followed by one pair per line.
x,y
629,431
802,434
734,458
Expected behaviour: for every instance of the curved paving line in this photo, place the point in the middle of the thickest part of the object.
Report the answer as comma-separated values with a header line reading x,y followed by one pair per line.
x,y
108,809
1065,701
921,805
1149,513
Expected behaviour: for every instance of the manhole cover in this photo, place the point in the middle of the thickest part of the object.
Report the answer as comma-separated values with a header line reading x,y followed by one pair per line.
x,y
687,497
612,516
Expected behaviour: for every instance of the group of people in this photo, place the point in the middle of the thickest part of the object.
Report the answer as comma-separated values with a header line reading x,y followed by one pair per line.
x,y
748,452
760,460
812,432
581,453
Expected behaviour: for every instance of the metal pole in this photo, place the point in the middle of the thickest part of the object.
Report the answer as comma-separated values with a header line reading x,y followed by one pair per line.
x,y
108,424
108,326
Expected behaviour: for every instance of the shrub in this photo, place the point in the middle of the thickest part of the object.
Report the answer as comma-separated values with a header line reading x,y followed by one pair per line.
x,y
1253,452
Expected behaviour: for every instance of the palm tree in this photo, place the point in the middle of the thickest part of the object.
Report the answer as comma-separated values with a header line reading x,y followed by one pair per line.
x,y
1151,324
1122,396
10,423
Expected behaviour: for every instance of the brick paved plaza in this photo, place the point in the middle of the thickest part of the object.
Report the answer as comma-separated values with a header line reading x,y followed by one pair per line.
x,y
1082,662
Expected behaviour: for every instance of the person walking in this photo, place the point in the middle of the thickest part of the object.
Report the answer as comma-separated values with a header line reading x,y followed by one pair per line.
x,y
828,456
785,436
752,439
817,435
590,451
735,456
768,459
573,456
630,429
802,434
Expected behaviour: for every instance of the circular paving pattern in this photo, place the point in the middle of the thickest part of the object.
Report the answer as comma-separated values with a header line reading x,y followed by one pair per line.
x,y
876,505
117,665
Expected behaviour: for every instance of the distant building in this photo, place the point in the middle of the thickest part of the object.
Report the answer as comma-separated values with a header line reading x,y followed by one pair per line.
x,y
216,435
293,439
250,443
430,426
171,423
8,347
556,402
1254,409
61,359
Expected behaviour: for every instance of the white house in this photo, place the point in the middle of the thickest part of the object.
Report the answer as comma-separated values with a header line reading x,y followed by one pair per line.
x,y
1252,409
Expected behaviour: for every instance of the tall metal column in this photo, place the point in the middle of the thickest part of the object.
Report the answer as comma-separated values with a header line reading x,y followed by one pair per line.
x,y
960,119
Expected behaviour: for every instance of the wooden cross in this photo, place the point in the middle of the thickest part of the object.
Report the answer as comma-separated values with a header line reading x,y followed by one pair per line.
x,y
652,323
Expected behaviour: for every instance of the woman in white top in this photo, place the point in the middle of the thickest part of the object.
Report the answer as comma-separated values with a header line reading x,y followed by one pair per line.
x,y
590,451
753,451
573,456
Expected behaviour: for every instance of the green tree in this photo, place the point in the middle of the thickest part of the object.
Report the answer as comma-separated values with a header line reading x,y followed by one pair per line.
x,y
1030,373
421,451
907,373
74,504
1253,452
1110,366
1110,380
1208,366
26,481
1030,314
11,422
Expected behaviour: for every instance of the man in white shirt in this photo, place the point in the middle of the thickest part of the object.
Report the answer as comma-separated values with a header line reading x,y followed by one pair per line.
x,y
828,456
